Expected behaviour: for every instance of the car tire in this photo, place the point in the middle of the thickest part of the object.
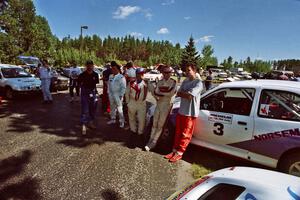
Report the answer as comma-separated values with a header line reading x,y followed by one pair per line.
x,y
9,93
291,164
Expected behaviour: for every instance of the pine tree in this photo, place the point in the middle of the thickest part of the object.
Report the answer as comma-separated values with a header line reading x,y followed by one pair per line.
x,y
190,55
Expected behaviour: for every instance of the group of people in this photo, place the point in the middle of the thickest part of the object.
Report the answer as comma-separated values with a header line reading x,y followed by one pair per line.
x,y
124,96
125,93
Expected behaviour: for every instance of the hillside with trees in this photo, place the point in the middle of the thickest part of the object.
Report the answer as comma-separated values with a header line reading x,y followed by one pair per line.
x,y
23,32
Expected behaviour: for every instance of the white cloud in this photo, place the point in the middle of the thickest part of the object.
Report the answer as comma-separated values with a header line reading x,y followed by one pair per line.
x,y
168,2
206,38
187,18
124,11
148,15
163,31
136,34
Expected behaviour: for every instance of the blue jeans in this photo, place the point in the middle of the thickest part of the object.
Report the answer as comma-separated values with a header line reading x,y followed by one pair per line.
x,y
88,105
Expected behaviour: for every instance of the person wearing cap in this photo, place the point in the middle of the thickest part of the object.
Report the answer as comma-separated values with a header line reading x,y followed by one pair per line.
x,y
116,92
189,92
163,93
136,93
87,81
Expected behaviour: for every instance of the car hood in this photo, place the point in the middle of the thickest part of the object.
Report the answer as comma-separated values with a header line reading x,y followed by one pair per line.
x,y
23,81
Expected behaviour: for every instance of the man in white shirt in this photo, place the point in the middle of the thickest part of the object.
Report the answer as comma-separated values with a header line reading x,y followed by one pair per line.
x,y
45,74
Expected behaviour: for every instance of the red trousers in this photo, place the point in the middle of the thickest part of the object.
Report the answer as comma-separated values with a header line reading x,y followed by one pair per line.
x,y
184,131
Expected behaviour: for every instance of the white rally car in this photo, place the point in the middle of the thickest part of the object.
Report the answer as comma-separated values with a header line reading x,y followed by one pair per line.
x,y
242,183
254,120
15,80
153,75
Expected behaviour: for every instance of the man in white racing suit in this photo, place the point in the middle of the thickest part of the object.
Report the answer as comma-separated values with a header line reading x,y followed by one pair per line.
x,y
116,91
163,93
136,93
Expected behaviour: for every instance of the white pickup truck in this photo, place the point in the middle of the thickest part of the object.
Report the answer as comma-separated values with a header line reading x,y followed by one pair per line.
x,y
15,80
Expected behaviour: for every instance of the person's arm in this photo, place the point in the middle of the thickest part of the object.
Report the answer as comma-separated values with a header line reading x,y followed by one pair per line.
x,y
127,93
195,90
97,78
171,91
185,95
123,86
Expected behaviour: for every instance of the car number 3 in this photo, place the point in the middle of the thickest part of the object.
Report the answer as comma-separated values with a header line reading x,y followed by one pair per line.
x,y
219,129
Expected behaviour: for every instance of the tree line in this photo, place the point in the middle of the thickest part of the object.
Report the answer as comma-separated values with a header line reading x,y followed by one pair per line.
x,y
23,32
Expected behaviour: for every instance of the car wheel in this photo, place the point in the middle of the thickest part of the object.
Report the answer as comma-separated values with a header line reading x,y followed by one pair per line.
x,y
9,93
291,164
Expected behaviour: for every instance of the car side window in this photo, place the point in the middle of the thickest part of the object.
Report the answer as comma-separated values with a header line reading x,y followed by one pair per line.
x,y
283,105
223,191
230,100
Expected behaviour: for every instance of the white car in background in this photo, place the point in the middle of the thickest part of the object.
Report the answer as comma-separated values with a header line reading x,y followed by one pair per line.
x,y
242,183
254,120
15,80
153,76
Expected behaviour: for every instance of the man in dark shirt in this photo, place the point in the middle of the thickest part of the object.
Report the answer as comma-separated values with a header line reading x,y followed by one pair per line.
x,y
87,81
105,100
208,80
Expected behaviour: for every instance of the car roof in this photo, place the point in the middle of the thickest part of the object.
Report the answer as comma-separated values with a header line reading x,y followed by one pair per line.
x,y
261,83
9,66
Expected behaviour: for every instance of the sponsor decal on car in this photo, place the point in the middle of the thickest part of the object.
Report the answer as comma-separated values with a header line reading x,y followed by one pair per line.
x,y
278,134
223,118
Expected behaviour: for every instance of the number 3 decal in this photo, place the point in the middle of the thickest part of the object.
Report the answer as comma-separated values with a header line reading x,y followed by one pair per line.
x,y
220,129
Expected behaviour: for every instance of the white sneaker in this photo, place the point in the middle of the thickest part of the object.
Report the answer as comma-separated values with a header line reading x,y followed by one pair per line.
x,y
113,121
83,130
147,148
122,124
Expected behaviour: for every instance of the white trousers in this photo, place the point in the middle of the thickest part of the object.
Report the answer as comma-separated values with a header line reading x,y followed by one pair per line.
x,y
46,89
137,116
160,116
116,105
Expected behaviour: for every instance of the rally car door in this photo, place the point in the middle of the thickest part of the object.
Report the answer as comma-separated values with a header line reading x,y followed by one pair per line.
x,y
226,117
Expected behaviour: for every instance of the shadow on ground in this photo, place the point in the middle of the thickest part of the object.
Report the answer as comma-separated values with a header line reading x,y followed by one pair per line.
x,y
62,119
25,189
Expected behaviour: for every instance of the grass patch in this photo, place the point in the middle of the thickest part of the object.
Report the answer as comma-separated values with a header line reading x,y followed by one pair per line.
x,y
199,171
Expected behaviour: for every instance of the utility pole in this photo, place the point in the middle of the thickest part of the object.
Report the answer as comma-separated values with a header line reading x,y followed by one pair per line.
x,y
82,27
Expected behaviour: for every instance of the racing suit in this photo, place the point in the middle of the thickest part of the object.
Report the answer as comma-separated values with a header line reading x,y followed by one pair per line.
x,y
136,93
163,93
116,91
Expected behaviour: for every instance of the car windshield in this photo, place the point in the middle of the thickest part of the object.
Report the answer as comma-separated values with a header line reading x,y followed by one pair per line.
x,y
30,61
14,73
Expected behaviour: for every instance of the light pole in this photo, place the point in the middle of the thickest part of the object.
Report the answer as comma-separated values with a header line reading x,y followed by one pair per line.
x,y
82,27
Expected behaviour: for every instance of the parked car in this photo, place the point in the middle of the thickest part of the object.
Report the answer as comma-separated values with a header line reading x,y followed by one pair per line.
x,y
58,82
153,75
241,183
255,120
15,80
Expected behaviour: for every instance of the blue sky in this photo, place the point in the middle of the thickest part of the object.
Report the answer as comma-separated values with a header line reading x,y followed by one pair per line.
x,y
266,29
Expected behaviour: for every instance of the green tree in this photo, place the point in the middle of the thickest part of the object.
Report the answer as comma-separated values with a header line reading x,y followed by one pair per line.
x,y
207,59
189,55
